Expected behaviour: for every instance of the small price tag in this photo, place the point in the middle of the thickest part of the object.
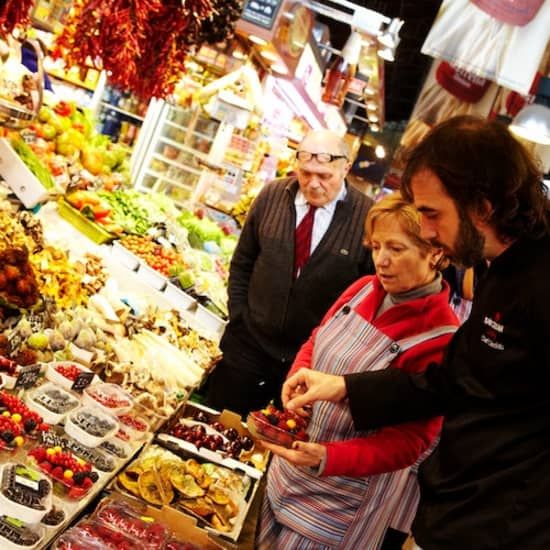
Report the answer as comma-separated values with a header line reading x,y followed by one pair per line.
x,y
27,376
25,481
82,381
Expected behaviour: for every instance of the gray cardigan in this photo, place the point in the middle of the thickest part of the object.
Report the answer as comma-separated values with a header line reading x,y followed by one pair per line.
x,y
281,312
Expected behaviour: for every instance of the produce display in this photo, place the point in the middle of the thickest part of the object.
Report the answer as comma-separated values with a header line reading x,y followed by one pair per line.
x,y
64,142
213,493
89,372
17,281
119,524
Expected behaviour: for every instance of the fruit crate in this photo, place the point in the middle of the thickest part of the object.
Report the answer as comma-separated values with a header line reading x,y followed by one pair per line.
x,y
254,463
92,230
244,504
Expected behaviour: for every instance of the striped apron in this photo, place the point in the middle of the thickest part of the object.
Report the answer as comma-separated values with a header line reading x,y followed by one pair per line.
x,y
304,511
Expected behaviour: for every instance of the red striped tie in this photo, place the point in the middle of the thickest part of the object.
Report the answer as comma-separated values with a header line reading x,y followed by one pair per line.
x,y
302,243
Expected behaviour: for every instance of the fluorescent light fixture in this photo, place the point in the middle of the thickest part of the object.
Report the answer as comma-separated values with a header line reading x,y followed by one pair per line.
x,y
533,123
380,152
257,40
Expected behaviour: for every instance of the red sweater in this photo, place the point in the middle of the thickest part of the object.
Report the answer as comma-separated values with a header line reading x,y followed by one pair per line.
x,y
395,447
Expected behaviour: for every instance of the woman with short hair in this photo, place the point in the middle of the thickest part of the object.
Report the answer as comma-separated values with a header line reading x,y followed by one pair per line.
x,y
347,487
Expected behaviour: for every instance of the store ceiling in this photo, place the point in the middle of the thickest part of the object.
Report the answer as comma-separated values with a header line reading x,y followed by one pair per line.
x,y
405,76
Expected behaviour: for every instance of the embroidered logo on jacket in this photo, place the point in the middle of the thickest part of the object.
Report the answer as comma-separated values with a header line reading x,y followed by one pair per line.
x,y
492,331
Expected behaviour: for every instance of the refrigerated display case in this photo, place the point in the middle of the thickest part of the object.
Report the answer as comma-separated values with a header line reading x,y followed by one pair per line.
x,y
173,143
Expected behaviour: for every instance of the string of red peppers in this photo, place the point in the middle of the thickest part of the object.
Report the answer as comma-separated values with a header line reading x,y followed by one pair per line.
x,y
142,44
14,13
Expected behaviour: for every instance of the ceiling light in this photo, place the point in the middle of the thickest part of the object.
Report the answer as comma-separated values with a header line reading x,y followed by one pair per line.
x,y
390,37
373,118
379,151
387,54
257,40
533,121
269,55
371,106
374,128
370,91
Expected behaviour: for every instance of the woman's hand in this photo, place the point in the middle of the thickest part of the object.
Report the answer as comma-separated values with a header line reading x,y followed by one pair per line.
x,y
307,386
301,454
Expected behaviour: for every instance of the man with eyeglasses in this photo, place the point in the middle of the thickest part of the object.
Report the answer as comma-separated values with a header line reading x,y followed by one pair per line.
x,y
300,248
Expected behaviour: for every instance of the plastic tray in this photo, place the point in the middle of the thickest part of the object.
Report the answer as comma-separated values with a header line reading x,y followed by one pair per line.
x,y
92,230
178,297
134,433
124,256
6,544
59,379
107,389
50,417
19,511
151,277
81,435
261,428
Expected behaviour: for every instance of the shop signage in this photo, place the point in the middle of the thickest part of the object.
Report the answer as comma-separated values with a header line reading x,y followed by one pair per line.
x,y
261,12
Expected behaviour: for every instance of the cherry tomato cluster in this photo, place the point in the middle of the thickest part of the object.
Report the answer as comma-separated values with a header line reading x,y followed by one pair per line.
x,y
133,422
109,400
156,256
68,371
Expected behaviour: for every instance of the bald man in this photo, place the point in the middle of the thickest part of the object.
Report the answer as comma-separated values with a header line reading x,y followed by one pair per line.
x,y
300,248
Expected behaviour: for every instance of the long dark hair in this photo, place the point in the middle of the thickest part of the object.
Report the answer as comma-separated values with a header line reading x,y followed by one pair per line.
x,y
477,161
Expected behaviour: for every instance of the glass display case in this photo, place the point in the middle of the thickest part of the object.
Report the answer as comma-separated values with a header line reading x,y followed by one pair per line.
x,y
172,150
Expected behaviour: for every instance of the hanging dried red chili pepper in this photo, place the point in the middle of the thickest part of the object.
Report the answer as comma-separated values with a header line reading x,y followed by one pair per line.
x,y
142,44
14,13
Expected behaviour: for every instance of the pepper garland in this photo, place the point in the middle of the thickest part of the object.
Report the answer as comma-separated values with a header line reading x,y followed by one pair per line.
x,y
14,13
142,44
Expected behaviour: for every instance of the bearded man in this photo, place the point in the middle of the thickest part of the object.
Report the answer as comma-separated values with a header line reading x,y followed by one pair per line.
x,y
487,484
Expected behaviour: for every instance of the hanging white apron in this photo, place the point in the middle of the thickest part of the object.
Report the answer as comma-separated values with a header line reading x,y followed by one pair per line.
x,y
341,511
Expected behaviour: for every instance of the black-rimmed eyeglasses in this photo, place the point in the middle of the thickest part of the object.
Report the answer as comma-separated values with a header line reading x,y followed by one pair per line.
x,y
323,158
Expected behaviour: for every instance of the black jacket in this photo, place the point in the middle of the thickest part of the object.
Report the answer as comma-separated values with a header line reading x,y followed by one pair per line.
x,y
487,485
281,312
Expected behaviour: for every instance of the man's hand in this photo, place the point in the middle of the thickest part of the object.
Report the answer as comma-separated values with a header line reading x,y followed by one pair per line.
x,y
301,454
307,386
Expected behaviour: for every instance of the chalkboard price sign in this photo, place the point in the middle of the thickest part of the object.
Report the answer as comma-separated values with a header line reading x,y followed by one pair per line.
x,y
82,381
261,12
27,376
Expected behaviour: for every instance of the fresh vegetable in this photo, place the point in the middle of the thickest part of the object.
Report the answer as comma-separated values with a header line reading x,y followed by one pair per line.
x,y
33,163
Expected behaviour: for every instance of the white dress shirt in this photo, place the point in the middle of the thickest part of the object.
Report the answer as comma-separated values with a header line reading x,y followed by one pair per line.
x,y
322,218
